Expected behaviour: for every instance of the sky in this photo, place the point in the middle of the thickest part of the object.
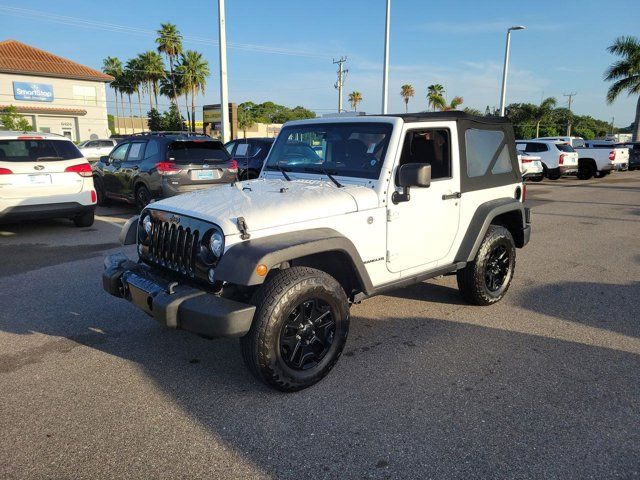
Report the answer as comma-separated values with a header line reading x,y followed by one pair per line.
x,y
282,50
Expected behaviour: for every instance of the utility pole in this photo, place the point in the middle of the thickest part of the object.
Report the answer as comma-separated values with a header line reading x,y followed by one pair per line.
x,y
570,95
342,73
224,89
385,70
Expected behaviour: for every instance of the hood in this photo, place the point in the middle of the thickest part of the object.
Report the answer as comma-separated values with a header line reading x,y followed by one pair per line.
x,y
268,203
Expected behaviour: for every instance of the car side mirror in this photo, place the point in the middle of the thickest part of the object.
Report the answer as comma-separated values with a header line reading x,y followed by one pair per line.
x,y
105,159
411,175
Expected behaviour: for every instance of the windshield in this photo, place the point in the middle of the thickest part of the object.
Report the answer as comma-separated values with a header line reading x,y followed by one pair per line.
x,y
34,150
346,149
578,143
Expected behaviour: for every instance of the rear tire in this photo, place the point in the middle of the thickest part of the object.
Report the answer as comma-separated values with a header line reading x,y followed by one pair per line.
x,y
299,329
85,219
586,171
486,279
143,197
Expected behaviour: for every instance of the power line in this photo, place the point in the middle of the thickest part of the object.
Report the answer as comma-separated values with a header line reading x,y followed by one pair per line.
x,y
570,95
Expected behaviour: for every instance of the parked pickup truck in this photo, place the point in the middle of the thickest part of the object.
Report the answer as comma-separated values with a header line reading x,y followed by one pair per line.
x,y
620,153
596,162
387,202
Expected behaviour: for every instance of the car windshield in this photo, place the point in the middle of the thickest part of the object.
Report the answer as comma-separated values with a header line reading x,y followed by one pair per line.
x,y
197,151
346,149
35,150
578,143
564,147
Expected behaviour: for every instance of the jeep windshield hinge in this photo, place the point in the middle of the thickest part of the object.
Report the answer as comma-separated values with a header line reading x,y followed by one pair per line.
x,y
242,227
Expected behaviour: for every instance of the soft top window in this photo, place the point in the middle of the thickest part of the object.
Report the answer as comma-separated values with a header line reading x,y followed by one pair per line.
x,y
482,149
37,150
197,151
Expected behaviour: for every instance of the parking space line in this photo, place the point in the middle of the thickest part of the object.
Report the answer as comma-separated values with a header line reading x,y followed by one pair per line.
x,y
110,222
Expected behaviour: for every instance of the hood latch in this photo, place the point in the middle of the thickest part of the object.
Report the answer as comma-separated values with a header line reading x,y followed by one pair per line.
x,y
242,227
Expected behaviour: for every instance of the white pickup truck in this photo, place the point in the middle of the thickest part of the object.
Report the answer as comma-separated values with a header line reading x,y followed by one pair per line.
x,y
597,161
620,154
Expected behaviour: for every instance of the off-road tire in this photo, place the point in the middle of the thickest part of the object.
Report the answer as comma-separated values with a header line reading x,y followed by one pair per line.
x,y
471,279
274,301
143,197
84,220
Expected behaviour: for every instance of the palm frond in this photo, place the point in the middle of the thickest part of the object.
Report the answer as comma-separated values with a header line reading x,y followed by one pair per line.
x,y
630,84
624,46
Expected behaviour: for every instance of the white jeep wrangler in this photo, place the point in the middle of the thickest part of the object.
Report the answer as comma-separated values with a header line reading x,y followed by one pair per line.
x,y
344,209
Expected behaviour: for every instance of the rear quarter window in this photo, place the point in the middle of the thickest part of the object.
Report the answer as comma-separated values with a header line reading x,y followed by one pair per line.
x,y
564,147
482,147
19,150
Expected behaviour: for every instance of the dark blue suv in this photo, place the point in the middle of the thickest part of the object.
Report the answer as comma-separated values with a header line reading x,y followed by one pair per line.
x,y
250,154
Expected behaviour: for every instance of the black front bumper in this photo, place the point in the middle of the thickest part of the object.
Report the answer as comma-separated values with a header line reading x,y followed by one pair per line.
x,y
175,305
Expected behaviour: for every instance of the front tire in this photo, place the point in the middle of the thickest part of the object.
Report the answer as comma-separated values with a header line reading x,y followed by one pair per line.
x,y
299,329
102,199
486,279
143,197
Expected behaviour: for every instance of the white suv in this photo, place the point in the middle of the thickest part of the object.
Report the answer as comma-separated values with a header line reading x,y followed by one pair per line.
x,y
92,150
344,209
558,158
43,175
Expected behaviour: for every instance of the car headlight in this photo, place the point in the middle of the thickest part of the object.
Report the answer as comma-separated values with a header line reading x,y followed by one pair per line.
x,y
146,224
216,243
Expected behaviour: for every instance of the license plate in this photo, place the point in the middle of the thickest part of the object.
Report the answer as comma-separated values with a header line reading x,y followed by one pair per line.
x,y
39,179
205,175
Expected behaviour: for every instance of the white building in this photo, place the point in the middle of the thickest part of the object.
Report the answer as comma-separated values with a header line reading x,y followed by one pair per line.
x,y
53,93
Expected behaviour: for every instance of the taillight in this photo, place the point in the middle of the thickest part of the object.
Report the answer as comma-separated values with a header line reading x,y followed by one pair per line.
x,y
526,160
612,155
5,171
29,137
167,168
561,159
233,166
94,197
82,169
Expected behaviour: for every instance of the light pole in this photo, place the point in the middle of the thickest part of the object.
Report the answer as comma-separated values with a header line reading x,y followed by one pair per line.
x,y
506,68
224,92
385,72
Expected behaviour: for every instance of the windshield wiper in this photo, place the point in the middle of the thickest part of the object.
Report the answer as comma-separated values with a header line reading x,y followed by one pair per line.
x,y
326,172
283,172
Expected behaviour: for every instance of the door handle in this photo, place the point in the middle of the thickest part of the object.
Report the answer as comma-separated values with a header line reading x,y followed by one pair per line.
x,y
451,196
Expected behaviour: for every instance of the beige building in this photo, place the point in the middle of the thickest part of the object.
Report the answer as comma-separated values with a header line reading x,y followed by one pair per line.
x,y
54,94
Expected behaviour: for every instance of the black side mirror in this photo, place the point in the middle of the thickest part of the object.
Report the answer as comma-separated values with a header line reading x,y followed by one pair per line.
x,y
105,159
411,175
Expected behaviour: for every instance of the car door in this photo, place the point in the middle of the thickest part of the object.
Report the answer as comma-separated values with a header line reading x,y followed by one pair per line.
x,y
130,168
421,231
110,170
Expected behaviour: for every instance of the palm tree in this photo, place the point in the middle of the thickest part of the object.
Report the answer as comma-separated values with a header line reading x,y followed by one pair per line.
x,y
153,71
455,103
113,66
354,99
127,86
170,43
626,74
168,87
406,92
136,77
435,96
194,70
542,111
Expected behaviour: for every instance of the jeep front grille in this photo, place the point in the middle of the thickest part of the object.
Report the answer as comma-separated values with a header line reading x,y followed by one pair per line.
x,y
174,246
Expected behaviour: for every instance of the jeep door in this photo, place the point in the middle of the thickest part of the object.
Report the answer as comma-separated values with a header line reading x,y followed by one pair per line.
x,y
422,230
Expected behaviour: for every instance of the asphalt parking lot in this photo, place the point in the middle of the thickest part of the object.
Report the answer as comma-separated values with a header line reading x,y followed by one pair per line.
x,y
545,384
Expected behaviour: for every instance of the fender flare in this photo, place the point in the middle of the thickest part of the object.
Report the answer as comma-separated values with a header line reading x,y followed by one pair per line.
x,y
480,222
239,262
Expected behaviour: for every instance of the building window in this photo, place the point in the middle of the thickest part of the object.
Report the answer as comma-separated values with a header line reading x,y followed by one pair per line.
x,y
84,94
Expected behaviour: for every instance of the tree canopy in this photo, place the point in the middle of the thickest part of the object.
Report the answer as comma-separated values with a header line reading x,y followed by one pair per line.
x,y
269,112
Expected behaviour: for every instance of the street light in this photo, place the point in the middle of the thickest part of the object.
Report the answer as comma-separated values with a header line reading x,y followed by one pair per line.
x,y
385,68
506,67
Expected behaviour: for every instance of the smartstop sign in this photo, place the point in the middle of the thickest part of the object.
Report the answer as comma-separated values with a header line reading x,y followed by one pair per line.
x,y
33,92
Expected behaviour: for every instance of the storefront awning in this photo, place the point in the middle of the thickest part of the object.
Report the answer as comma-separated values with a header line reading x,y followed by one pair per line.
x,y
46,110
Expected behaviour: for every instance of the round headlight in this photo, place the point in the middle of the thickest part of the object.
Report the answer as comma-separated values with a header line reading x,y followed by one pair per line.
x,y
215,243
146,224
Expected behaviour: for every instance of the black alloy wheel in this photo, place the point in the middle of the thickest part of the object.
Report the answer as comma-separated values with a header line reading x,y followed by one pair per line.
x,y
307,334
497,268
